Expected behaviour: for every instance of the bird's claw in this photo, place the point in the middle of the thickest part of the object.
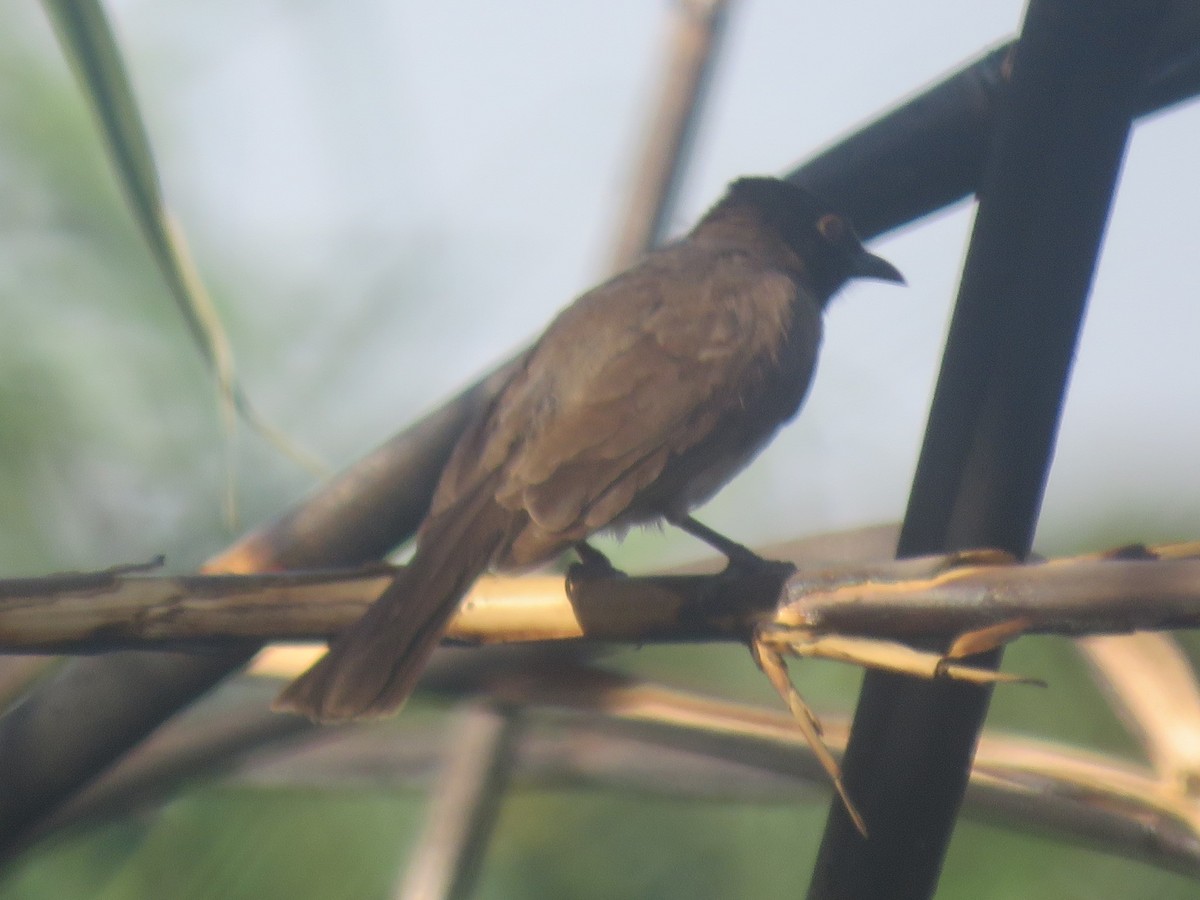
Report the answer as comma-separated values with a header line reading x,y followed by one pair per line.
x,y
592,566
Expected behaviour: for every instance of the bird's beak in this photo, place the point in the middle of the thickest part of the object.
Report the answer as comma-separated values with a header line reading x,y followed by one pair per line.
x,y
868,265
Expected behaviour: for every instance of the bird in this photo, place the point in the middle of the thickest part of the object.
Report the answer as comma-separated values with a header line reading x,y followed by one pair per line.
x,y
638,402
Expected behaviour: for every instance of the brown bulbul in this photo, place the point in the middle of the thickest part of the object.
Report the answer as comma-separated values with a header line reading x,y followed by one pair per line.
x,y
641,399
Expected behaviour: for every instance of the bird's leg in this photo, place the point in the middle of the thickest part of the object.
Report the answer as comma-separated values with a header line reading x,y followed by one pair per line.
x,y
739,556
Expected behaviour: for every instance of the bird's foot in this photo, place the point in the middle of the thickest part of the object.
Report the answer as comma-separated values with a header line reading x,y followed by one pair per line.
x,y
592,566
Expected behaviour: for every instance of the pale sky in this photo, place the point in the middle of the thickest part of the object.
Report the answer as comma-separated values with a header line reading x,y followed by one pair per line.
x,y
469,158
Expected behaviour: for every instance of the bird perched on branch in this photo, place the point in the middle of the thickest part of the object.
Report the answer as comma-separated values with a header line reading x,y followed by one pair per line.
x,y
640,401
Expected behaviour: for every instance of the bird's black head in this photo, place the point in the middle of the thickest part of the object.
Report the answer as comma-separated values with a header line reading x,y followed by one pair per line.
x,y
829,251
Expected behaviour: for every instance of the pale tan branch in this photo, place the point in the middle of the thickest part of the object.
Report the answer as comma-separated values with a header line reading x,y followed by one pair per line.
x,y
464,806
904,600
625,733
1129,589
107,611
609,730
1152,687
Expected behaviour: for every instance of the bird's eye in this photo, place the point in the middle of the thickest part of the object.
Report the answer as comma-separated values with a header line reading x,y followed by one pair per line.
x,y
833,228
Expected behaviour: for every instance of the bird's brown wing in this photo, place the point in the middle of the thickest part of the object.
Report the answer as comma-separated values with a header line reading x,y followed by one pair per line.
x,y
667,352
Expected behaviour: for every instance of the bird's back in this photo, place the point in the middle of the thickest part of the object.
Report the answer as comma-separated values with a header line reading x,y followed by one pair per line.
x,y
642,397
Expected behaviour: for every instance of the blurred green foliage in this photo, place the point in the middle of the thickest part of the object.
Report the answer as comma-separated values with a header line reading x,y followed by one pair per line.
x,y
108,435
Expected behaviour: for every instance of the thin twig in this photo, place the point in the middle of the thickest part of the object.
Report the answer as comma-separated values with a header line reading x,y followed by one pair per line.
x,y
693,42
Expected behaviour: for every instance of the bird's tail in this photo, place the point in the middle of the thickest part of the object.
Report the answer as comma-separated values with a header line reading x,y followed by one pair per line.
x,y
372,667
